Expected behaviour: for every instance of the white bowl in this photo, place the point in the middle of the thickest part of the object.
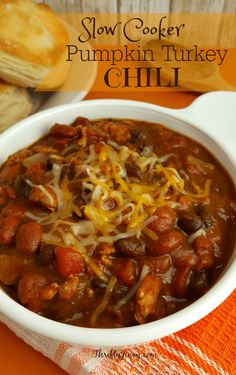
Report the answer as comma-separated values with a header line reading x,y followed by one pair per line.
x,y
185,121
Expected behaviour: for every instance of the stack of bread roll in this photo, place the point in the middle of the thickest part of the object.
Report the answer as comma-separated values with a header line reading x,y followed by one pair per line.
x,y
32,43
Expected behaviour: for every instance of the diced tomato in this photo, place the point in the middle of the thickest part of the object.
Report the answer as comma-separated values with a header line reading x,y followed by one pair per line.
x,y
126,271
69,261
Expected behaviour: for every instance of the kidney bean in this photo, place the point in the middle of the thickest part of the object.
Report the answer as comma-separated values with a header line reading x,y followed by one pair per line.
x,y
125,270
181,281
189,222
29,288
166,218
28,238
156,264
204,249
10,267
184,257
167,242
199,284
8,228
146,297
131,246
64,130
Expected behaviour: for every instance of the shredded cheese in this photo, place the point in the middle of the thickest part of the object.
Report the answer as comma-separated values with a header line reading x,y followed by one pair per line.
x,y
201,193
47,194
103,175
199,232
106,298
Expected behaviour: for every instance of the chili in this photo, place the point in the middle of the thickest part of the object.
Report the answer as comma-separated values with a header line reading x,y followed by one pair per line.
x,y
113,223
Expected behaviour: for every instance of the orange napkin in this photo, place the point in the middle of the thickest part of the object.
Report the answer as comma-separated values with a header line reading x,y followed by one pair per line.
x,y
205,348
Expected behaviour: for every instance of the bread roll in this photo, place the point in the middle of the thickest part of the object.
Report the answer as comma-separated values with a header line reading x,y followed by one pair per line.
x,y
15,104
32,42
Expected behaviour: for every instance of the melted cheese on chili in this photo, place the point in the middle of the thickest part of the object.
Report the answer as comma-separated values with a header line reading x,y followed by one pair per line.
x,y
105,177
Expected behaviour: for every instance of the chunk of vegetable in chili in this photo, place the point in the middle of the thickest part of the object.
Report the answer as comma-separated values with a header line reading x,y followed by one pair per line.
x,y
112,223
69,261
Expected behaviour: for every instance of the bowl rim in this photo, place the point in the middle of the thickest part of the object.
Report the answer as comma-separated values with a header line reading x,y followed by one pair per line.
x,y
114,337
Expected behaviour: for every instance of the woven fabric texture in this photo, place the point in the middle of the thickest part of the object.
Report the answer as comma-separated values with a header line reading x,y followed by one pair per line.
x,y
208,347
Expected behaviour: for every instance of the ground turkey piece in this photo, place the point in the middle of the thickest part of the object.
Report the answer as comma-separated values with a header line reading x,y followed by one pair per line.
x,y
46,199
146,297
42,195
119,133
28,238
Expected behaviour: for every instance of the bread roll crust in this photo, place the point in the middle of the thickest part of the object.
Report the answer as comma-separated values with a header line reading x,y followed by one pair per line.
x,y
15,104
32,39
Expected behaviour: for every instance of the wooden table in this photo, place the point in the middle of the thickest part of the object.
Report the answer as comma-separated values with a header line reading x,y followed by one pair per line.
x,y
16,357
159,6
